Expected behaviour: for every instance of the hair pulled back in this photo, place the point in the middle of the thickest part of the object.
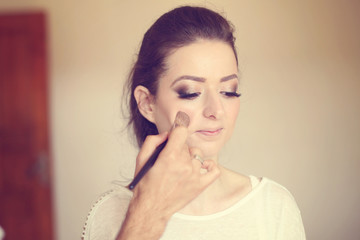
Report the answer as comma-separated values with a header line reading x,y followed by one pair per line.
x,y
176,28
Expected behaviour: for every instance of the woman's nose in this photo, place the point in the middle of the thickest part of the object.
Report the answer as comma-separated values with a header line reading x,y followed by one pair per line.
x,y
213,106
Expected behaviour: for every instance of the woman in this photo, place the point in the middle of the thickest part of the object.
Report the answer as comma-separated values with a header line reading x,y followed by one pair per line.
x,y
188,62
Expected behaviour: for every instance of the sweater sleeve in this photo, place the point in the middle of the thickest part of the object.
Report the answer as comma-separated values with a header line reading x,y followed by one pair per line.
x,y
106,216
291,224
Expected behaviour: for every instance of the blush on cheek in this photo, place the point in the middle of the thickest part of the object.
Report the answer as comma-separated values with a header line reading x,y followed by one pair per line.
x,y
163,122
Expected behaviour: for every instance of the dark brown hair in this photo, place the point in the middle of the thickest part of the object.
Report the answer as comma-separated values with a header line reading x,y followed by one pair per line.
x,y
176,28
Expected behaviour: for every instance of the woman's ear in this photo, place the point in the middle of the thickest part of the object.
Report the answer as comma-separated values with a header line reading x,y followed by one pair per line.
x,y
145,102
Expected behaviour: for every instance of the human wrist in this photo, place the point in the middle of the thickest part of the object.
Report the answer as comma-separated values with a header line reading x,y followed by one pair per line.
x,y
142,222
145,210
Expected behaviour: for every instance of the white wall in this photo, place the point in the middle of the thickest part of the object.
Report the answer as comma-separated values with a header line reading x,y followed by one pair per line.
x,y
299,118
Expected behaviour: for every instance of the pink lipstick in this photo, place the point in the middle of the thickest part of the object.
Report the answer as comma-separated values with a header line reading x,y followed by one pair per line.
x,y
210,132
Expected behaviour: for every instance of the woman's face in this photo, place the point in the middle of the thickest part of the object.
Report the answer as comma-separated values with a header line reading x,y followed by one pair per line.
x,y
201,80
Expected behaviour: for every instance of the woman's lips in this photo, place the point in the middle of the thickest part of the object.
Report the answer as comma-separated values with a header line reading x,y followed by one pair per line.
x,y
210,132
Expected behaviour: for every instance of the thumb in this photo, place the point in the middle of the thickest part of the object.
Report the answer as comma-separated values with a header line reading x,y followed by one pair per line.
x,y
213,172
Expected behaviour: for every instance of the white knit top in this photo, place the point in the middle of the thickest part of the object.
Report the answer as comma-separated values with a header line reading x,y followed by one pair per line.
x,y
268,212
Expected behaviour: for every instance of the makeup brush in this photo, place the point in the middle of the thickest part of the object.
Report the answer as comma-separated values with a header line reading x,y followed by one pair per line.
x,y
181,119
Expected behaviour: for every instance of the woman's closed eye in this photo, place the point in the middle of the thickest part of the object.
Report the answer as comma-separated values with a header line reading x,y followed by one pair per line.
x,y
193,95
188,95
230,94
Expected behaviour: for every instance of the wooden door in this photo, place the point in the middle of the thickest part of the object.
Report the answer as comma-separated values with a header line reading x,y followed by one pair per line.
x,y
25,167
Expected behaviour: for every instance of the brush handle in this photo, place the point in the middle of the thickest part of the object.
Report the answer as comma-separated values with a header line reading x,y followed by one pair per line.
x,y
147,165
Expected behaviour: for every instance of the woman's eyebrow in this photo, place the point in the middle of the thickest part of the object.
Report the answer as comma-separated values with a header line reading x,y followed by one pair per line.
x,y
201,79
227,78
188,77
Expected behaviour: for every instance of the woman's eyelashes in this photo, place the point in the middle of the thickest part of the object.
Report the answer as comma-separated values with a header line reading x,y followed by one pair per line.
x,y
189,95
231,94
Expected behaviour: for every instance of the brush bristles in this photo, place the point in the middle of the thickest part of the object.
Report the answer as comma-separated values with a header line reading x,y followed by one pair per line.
x,y
182,119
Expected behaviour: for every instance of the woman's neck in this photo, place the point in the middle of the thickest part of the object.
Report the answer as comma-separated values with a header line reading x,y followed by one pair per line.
x,y
228,189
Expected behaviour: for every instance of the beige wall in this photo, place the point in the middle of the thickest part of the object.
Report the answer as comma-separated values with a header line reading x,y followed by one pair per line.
x,y
300,113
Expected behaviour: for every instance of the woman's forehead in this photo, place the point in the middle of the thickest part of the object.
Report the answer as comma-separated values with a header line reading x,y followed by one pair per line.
x,y
203,59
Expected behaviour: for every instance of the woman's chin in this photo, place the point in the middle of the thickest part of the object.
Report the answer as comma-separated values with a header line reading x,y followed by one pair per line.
x,y
209,151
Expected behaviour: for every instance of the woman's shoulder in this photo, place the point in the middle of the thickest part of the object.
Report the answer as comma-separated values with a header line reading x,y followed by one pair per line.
x,y
274,193
258,186
107,214
261,187
280,203
273,188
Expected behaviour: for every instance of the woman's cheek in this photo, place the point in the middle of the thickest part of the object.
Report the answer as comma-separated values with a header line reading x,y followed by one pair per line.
x,y
190,111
